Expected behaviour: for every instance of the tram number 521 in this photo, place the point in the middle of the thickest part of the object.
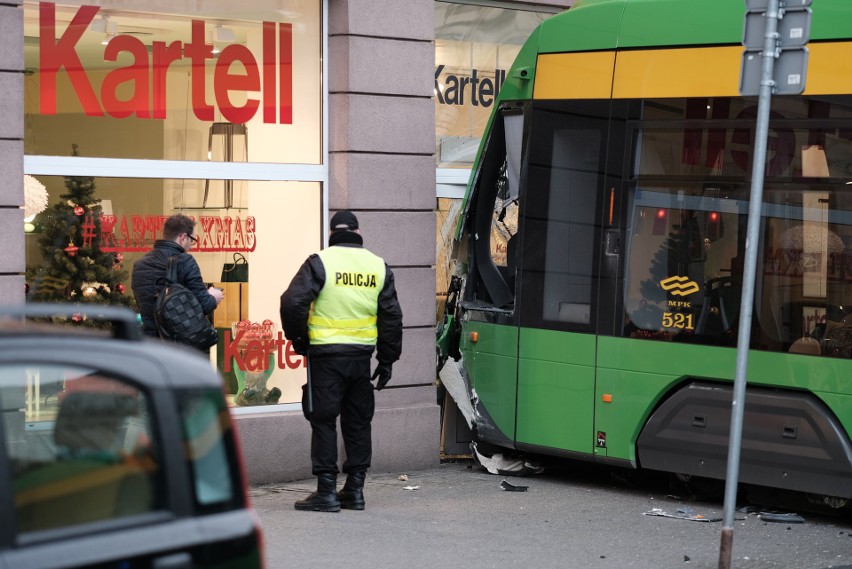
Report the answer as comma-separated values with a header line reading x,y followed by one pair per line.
x,y
678,320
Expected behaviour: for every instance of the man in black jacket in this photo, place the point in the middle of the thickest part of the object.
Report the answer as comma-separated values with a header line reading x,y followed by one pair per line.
x,y
340,306
177,239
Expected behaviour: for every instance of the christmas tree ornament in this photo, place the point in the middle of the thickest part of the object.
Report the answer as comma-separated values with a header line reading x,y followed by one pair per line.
x,y
120,288
77,318
71,250
89,292
119,257
79,210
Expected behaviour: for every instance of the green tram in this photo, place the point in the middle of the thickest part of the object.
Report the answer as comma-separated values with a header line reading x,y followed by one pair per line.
x,y
597,259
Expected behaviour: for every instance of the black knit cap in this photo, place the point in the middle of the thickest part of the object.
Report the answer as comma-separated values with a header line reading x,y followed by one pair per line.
x,y
344,220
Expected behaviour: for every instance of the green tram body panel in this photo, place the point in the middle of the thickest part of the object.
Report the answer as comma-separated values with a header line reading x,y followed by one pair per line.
x,y
560,387
556,379
492,363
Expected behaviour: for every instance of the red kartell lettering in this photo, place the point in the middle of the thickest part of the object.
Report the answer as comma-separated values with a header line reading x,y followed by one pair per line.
x,y
253,354
54,55
224,82
149,75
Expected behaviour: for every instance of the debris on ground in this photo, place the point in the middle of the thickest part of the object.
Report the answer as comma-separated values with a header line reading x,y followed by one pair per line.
x,y
508,487
499,464
411,487
773,516
681,514
781,518
403,477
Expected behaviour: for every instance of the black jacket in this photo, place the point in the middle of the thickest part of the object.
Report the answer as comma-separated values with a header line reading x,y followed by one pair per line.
x,y
306,286
152,267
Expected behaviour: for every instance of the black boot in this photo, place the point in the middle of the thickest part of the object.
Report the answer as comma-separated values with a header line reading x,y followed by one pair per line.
x,y
325,498
351,496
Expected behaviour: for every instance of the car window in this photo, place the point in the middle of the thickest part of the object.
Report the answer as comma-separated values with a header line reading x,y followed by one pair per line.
x,y
80,446
208,442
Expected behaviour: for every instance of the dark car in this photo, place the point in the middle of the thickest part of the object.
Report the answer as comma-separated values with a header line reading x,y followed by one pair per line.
x,y
117,452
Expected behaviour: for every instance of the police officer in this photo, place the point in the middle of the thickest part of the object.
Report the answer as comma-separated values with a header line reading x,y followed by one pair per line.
x,y
340,306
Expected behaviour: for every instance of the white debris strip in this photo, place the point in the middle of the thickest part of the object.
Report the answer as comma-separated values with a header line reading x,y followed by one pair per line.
x,y
453,381
498,464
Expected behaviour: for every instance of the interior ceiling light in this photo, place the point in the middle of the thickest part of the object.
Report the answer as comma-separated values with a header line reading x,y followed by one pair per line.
x,y
103,25
225,35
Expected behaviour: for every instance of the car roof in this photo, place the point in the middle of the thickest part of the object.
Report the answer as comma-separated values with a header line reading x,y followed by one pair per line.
x,y
120,349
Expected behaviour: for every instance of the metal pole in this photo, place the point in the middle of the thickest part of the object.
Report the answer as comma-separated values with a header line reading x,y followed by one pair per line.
x,y
770,48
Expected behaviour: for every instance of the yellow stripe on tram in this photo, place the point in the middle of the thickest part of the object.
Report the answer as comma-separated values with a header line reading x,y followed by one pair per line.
x,y
829,69
574,75
682,72
689,72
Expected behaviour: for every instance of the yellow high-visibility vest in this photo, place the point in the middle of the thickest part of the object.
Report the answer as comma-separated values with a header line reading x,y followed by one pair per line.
x,y
345,310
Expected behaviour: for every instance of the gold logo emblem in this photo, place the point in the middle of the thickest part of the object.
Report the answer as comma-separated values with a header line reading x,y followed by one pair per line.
x,y
679,286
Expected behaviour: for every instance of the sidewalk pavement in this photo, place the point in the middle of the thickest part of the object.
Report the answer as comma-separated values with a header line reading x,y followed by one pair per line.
x,y
577,516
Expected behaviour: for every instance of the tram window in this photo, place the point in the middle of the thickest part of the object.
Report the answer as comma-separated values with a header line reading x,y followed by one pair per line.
x,y
561,216
504,225
683,268
804,290
803,286
496,218
687,222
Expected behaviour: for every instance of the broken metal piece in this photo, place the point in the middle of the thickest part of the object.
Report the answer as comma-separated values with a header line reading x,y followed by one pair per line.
x,y
681,515
508,487
783,518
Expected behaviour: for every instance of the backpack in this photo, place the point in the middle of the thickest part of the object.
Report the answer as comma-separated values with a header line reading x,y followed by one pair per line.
x,y
179,316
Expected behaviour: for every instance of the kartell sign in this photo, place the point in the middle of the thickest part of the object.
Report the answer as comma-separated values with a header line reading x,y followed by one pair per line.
x,y
267,85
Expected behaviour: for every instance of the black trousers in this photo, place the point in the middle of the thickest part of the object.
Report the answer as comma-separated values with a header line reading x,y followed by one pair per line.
x,y
341,387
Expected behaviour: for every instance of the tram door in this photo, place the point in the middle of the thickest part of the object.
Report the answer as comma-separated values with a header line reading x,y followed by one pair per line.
x,y
563,235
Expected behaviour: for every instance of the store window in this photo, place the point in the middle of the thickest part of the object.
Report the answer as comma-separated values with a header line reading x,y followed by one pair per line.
x,y
211,110
159,85
474,48
83,247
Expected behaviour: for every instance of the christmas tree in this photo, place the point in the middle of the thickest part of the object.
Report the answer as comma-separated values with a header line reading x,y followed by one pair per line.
x,y
75,269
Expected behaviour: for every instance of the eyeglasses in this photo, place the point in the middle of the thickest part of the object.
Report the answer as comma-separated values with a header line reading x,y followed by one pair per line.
x,y
192,238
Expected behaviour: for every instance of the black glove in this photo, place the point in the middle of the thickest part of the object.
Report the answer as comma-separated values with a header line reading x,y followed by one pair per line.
x,y
300,346
383,372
